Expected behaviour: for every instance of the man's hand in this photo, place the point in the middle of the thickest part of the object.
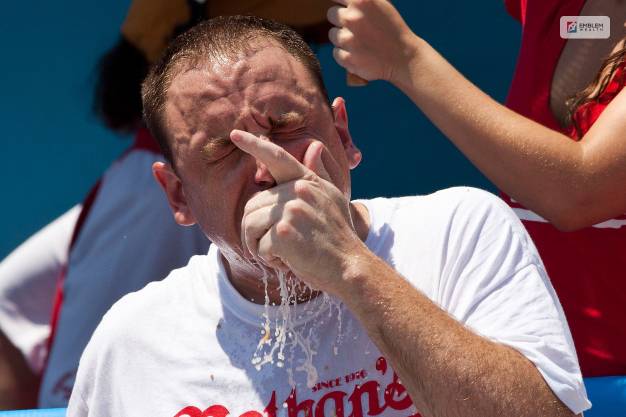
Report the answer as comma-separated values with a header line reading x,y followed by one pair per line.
x,y
371,39
303,224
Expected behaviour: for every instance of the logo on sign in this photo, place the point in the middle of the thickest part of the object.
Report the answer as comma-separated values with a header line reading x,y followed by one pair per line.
x,y
571,27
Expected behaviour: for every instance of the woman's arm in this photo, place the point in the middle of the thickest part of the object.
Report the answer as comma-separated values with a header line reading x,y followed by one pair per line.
x,y
571,184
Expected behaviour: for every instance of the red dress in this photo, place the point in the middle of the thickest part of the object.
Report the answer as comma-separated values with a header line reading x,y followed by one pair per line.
x,y
587,267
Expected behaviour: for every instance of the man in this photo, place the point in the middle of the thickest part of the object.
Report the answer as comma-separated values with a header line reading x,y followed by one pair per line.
x,y
78,269
445,306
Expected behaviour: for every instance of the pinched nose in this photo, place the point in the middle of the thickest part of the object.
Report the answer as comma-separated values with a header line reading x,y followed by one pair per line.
x,y
263,177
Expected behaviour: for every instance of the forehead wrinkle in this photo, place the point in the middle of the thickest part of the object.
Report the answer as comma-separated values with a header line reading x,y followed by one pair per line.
x,y
187,102
223,119
199,91
276,103
241,71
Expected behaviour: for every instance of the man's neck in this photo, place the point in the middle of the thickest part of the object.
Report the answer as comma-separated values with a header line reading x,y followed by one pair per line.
x,y
248,279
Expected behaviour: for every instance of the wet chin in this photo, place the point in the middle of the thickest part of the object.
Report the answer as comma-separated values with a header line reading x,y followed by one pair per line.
x,y
287,283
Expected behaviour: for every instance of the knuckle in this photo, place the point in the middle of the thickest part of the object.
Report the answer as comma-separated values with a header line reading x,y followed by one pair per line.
x,y
361,3
341,55
347,60
343,16
283,229
244,221
247,209
346,38
278,154
353,17
294,208
301,188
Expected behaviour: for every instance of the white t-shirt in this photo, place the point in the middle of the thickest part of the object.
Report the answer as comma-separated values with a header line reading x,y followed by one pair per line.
x,y
28,280
129,239
184,346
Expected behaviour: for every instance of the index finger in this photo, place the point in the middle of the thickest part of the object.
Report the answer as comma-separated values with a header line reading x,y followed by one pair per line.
x,y
281,164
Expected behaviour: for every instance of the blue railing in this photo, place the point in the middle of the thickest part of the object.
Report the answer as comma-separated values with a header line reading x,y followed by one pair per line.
x,y
50,412
608,396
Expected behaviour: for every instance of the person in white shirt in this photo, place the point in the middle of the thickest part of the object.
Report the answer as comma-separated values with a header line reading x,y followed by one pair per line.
x,y
435,305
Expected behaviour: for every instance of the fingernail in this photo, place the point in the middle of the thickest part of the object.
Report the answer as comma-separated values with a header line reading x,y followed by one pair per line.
x,y
235,136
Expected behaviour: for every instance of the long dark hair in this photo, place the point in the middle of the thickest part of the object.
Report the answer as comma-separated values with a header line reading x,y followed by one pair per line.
x,y
117,96
598,85
121,70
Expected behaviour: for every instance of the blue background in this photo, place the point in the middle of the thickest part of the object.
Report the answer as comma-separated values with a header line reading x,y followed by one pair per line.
x,y
54,148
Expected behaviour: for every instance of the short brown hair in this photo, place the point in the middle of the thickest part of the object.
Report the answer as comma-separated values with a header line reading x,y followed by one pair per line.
x,y
217,38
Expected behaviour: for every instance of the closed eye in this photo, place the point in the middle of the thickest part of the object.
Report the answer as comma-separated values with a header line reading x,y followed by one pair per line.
x,y
217,148
287,133
286,120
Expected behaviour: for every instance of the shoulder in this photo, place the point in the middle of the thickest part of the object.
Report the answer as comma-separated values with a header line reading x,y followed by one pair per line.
x,y
445,197
135,328
483,226
474,209
144,309
469,228
465,206
457,224
470,199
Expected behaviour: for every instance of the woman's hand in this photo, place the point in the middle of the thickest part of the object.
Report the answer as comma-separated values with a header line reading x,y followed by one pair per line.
x,y
371,39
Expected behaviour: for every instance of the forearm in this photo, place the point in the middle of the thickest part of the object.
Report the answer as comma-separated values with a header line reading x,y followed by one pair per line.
x,y
447,369
522,157
18,384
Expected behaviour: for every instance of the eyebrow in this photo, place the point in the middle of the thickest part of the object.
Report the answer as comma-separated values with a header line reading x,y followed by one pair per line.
x,y
213,143
287,118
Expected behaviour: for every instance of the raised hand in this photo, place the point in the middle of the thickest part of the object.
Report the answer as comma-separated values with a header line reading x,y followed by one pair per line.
x,y
303,224
371,39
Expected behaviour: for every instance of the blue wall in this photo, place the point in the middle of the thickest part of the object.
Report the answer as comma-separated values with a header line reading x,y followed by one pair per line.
x,y
57,149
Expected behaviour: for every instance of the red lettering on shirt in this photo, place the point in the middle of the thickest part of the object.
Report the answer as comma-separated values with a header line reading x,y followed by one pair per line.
x,y
394,396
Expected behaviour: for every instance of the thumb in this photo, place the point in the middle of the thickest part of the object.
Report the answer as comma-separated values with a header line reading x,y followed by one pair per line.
x,y
313,160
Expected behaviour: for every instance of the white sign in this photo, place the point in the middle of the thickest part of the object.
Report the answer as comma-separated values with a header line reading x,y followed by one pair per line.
x,y
585,27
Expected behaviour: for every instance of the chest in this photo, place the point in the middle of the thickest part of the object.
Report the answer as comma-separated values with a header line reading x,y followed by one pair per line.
x,y
581,59
217,375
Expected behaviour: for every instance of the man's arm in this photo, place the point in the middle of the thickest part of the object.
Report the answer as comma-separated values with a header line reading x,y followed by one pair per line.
x,y
447,369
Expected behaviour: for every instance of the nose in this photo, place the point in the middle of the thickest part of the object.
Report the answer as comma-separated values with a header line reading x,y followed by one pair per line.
x,y
262,176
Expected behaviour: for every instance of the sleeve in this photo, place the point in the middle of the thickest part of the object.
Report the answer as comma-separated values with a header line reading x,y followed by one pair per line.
x,y
496,284
28,279
77,407
94,390
110,372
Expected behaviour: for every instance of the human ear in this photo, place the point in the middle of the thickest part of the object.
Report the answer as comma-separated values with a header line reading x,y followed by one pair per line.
x,y
173,188
341,124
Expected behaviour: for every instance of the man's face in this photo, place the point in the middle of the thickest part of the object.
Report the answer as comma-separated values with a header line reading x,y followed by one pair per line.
x,y
268,93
